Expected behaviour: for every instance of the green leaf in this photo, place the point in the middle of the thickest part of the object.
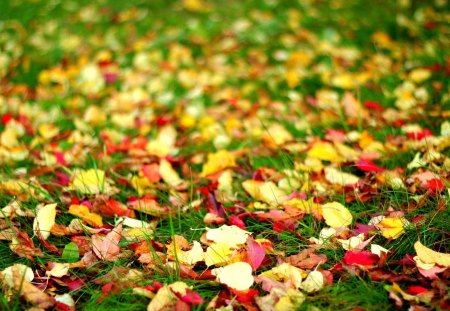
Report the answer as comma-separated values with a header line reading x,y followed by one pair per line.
x,y
71,253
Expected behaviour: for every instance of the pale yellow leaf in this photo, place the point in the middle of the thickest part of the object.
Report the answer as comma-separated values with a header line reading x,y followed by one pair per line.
x,y
230,235
168,174
58,270
237,275
338,177
23,271
218,254
45,219
336,215
314,282
430,256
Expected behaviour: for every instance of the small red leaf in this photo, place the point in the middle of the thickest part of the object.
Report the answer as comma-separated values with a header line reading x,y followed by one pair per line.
x,y
369,166
365,258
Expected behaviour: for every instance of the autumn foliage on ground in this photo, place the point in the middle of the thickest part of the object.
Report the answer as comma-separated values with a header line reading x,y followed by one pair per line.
x,y
191,156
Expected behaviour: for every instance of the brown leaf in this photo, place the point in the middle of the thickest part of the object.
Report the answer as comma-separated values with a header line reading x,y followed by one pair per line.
x,y
306,259
107,247
31,293
23,246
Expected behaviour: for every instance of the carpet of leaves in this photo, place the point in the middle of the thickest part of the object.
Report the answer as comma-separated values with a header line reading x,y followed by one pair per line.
x,y
267,152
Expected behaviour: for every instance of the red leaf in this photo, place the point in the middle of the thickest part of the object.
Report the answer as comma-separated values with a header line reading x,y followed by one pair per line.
x,y
255,253
151,171
369,166
6,118
420,135
192,297
245,296
237,221
374,106
415,289
365,258
435,185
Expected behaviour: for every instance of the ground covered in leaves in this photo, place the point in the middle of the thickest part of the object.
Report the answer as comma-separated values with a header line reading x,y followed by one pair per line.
x,y
258,155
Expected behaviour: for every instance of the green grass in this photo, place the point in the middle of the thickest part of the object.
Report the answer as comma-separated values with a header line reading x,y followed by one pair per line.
x,y
238,44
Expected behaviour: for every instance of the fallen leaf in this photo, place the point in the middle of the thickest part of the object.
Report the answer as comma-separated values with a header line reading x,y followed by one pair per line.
x,y
313,282
45,219
92,181
107,247
364,258
83,212
237,275
218,161
392,227
338,177
229,235
336,215
430,256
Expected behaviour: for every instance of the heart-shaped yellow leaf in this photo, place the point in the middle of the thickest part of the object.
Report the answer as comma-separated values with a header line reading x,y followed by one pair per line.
x,y
336,215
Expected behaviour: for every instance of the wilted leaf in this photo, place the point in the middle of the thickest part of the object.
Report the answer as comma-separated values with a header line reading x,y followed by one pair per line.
x,y
392,227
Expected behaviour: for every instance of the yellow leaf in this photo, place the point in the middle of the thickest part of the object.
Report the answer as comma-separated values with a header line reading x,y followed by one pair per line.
x,y
275,136
45,219
164,143
92,181
336,215
166,297
48,131
190,257
84,213
252,187
335,176
430,256
271,194
217,162
19,269
392,227
324,151
168,174
218,254
229,235
237,275
309,207
314,282
291,300
287,273
58,270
